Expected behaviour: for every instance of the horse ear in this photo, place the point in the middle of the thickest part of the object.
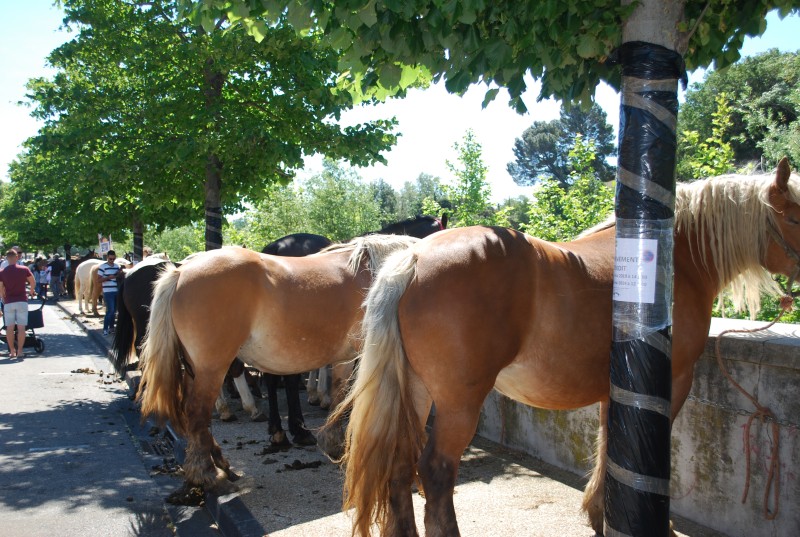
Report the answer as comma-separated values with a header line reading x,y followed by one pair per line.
x,y
782,175
444,220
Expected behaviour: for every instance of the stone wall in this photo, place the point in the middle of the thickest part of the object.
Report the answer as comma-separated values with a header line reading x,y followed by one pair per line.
x,y
708,448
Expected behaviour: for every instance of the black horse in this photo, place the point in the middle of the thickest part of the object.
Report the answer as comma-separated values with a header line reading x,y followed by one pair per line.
x,y
135,292
418,226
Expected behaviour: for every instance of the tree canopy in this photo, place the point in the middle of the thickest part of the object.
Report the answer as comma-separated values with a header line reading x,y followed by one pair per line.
x,y
153,121
387,45
542,150
763,101
560,214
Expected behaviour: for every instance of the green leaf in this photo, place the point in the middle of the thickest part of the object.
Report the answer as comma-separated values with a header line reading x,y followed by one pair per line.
x,y
489,97
588,47
389,75
368,15
299,15
258,29
208,23
409,76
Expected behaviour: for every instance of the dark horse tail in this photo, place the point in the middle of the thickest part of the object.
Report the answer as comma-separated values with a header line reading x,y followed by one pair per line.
x,y
122,345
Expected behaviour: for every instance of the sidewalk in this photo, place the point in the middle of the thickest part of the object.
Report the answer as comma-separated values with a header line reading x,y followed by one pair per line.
x,y
70,458
298,493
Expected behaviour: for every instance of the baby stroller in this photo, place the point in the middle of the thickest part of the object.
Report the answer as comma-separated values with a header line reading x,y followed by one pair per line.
x,y
35,320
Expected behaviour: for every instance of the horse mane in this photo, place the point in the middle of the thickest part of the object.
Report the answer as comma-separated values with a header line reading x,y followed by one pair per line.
x,y
730,215
375,247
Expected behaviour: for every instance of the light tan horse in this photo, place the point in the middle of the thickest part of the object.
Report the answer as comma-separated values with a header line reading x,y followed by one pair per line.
x,y
282,315
83,285
472,309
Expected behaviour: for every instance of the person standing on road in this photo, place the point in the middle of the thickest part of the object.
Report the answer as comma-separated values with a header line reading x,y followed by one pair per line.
x,y
107,276
15,305
57,270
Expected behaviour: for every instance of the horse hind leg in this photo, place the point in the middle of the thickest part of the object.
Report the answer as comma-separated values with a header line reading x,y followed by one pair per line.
x,y
204,464
454,426
311,387
400,520
325,388
248,401
224,408
593,495
297,426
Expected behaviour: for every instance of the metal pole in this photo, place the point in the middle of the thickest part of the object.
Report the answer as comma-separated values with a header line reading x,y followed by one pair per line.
x,y
637,477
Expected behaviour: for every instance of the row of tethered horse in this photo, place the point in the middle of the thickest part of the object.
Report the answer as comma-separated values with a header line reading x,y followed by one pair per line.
x,y
446,319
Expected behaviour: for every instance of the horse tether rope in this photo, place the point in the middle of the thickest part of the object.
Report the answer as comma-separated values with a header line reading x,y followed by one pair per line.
x,y
764,414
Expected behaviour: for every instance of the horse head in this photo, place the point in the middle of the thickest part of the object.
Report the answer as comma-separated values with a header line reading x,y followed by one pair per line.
x,y
783,252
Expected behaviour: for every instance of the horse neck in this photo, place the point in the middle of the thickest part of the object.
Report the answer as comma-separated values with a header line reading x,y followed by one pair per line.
x,y
691,267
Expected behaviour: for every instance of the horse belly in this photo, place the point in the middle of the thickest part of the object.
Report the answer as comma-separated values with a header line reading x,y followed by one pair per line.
x,y
292,352
557,380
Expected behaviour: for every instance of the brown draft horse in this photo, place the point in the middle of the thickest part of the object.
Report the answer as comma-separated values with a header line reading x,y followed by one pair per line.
x,y
471,309
282,315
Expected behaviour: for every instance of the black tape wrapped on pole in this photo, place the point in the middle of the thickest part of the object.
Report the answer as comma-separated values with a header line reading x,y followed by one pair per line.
x,y
637,476
213,228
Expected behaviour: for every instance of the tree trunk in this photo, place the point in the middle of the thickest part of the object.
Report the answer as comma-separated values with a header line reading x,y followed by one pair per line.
x,y
214,80
213,203
637,479
138,240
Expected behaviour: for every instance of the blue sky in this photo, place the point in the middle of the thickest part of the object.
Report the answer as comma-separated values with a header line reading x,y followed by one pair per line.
x,y
431,120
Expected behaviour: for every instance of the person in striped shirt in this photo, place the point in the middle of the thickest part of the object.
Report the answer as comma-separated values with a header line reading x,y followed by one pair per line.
x,y
107,277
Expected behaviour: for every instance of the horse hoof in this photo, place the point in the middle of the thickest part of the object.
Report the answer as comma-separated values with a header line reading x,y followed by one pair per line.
x,y
330,440
228,418
232,476
259,418
279,440
313,401
304,438
222,487
190,495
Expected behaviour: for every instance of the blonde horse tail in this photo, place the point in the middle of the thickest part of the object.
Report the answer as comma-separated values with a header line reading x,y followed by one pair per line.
x,y
384,435
161,388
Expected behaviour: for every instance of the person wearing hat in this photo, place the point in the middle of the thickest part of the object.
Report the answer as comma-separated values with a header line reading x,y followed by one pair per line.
x,y
15,304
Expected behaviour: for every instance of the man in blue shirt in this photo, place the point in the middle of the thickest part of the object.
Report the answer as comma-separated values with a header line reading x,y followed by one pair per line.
x,y
107,277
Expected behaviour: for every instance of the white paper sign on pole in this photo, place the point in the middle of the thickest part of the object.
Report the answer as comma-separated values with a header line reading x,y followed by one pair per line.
x,y
635,270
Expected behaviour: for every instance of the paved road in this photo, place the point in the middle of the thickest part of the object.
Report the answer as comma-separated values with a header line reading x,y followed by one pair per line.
x,y
72,464
71,450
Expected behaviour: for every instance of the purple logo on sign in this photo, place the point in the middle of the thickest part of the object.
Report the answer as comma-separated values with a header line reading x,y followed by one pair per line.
x,y
648,256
